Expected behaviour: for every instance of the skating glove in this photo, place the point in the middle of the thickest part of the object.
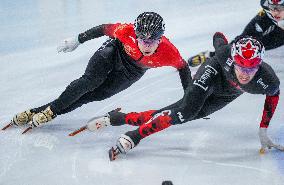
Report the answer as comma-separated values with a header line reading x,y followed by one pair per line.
x,y
266,141
68,44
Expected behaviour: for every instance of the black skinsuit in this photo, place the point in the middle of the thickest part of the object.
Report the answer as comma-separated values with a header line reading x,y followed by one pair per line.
x,y
214,86
110,71
264,29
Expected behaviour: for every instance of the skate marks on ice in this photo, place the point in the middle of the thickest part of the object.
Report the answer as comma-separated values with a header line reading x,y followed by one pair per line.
x,y
12,156
74,165
19,148
279,155
232,165
47,141
196,155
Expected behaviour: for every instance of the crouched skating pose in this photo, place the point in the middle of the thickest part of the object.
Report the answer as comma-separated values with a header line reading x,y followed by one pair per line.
x,y
235,69
115,66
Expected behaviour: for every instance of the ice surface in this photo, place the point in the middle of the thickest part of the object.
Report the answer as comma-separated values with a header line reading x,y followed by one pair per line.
x,y
219,151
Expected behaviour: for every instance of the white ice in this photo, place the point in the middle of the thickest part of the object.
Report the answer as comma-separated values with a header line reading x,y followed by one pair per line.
x,y
219,151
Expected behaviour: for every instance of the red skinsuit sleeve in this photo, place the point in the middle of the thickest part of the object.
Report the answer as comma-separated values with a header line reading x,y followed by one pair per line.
x,y
170,55
268,110
115,30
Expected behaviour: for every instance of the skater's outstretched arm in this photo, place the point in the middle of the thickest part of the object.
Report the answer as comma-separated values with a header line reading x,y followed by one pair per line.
x,y
70,44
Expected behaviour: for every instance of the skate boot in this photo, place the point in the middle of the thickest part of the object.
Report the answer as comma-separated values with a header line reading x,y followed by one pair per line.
x,y
123,145
198,59
42,117
22,118
98,123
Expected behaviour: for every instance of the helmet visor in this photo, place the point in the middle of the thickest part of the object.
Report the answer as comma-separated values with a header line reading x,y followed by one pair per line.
x,y
278,8
276,2
151,36
148,42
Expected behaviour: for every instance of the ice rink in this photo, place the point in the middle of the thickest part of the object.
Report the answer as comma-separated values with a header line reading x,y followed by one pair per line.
x,y
220,151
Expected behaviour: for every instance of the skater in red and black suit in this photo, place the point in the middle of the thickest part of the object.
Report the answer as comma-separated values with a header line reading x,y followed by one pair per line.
x,y
115,66
235,69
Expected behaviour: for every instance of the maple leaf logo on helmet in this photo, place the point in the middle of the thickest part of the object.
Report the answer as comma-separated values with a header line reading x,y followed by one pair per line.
x,y
247,52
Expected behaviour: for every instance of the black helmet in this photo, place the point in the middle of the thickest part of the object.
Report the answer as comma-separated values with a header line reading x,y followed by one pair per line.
x,y
149,25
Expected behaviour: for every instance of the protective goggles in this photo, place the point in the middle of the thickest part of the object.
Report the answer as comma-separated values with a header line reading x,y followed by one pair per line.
x,y
276,2
247,70
276,7
148,42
